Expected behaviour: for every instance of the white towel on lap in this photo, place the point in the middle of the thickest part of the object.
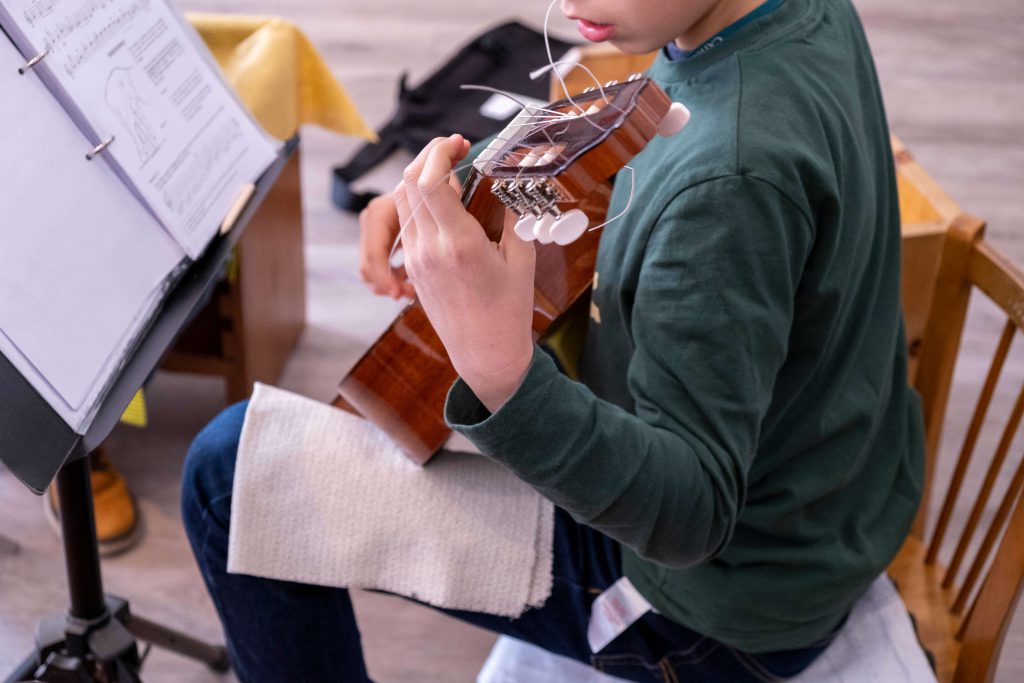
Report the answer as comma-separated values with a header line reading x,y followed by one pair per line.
x,y
323,497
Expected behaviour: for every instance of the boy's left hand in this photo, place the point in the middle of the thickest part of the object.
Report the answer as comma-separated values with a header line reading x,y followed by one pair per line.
x,y
477,294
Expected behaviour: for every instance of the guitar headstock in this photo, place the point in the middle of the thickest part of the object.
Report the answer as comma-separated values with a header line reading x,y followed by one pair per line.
x,y
548,159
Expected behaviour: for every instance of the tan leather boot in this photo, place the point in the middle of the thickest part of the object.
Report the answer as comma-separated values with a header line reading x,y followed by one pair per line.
x,y
117,517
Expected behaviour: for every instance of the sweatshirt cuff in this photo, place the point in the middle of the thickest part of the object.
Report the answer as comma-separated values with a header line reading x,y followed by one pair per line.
x,y
488,431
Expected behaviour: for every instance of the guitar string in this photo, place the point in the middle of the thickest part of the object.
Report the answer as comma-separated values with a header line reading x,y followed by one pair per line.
x,y
461,167
551,60
585,113
541,128
629,201
524,105
498,91
557,117
632,179
537,73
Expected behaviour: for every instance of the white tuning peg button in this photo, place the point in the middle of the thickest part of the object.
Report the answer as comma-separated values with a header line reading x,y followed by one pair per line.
x,y
569,226
675,120
542,228
524,228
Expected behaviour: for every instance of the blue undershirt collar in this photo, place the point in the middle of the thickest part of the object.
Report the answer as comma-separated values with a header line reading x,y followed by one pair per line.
x,y
675,53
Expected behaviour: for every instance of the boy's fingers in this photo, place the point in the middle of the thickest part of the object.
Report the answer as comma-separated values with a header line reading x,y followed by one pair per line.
x,y
407,226
411,174
439,196
412,182
378,230
516,250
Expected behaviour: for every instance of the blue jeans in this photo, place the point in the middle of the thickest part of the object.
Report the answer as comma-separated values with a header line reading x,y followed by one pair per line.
x,y
281,631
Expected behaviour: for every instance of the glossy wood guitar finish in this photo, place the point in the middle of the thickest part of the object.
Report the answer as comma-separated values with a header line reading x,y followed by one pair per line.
x,y
401,382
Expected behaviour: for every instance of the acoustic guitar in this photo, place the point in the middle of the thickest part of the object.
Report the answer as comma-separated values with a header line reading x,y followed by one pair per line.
x,y
553,172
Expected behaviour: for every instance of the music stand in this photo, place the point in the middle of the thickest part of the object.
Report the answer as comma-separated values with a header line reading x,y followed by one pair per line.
x,y
95,639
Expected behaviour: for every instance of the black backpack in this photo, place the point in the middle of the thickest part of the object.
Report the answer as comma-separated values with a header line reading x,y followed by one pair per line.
x,y
501,58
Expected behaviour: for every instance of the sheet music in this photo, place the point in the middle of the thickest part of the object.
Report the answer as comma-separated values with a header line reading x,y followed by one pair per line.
x,y
82,263
135,71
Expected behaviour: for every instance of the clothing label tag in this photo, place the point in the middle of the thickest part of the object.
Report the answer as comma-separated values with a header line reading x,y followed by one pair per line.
x,y
613,612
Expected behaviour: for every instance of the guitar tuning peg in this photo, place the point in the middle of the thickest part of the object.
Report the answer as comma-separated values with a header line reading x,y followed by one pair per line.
x,y
611,83
524,227
542,228
675,120
568,227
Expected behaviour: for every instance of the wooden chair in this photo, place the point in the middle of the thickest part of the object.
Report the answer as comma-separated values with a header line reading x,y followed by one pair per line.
x,y
963,624
926,214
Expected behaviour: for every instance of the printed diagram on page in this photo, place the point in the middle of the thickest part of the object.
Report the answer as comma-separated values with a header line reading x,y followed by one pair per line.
x,y
133,112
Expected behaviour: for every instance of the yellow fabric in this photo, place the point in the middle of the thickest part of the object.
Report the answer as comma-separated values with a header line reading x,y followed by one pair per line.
x,y
135,414
278,74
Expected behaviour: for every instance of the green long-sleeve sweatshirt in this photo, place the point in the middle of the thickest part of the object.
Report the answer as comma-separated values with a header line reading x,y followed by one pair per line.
x,y
743,428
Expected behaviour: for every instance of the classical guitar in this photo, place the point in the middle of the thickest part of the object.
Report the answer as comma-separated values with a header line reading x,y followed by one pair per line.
x,y
552,170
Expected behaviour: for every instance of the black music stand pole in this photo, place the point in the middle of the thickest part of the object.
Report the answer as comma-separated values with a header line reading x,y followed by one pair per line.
x,y
95,639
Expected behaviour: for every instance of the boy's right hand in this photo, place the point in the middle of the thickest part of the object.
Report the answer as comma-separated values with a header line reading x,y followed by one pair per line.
x,y
378,229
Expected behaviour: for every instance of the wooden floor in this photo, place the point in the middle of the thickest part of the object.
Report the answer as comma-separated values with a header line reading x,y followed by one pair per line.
x,y
953,75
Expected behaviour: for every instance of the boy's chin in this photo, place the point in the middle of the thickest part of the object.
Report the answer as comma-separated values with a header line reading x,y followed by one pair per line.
x,y
633,47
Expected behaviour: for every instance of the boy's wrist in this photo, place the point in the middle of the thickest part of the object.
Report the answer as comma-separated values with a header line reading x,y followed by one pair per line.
x,y
494,386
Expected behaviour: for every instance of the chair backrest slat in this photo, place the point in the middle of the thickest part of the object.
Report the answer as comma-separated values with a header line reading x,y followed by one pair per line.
x,y
1000,279
971,440
985,628
941,342
981,501
994,530
998,566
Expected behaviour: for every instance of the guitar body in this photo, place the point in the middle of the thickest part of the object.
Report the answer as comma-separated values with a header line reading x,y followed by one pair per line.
x,y
401,382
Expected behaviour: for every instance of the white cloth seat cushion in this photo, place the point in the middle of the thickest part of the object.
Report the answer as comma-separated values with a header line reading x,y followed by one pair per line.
x,y
876,645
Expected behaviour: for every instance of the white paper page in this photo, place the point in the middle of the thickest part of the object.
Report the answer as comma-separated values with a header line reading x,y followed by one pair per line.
x,y
138,73
82,263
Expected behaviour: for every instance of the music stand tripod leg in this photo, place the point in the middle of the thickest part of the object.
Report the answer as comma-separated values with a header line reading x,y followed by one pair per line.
x,y
96,633
214,656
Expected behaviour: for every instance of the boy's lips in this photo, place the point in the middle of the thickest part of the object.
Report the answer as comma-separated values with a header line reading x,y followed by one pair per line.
x,y
593,31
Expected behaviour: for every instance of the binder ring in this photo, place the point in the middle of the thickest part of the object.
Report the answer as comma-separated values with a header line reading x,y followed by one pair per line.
x,y
99,148
32,62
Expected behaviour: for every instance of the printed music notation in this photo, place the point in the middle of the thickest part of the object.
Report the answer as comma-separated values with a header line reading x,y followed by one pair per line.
x,y
206,169
86,29
39,9
134,72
